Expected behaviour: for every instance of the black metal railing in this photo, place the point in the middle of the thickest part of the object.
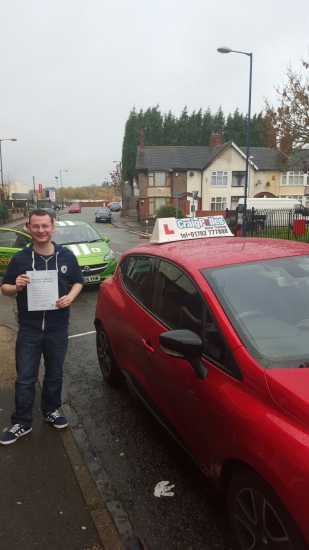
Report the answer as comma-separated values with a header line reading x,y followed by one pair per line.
x,y
283,223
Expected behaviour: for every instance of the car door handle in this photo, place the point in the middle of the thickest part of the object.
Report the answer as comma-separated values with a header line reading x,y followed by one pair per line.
x,y
148,345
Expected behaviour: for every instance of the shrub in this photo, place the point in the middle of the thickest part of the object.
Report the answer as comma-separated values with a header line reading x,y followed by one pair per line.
x,y
169,211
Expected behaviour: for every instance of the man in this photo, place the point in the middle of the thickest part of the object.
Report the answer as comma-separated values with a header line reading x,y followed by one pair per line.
x,y
40,331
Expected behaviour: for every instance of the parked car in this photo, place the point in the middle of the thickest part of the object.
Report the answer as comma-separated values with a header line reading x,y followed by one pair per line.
x,y
11,241
103,215
115,207
213,335
74,208
93,254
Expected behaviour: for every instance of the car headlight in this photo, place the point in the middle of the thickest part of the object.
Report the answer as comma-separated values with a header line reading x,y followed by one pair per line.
x,y
110,256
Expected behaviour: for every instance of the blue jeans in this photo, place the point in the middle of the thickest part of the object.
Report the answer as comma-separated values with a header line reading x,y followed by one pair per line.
x,y
31,343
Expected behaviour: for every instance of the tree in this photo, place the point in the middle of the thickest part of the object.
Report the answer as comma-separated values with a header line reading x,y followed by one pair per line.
x,y
218,121
207,127
235,129
195,128
259,137
7,181
153,125
117,179
182,128
288,124
169,129
130,142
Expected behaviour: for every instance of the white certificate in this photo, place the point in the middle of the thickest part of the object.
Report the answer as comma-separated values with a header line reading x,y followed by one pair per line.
x,y
42,291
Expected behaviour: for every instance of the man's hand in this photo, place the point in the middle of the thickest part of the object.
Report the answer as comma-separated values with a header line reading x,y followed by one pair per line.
x,y
21,282
64,301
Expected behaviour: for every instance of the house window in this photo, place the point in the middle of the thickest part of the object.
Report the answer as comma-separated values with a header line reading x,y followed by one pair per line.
x,y
218,203
151,207
219,179
158,179
238,179
155,203
292,178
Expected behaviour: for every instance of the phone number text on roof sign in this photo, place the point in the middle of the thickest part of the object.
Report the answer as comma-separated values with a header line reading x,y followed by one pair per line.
x,y
170,229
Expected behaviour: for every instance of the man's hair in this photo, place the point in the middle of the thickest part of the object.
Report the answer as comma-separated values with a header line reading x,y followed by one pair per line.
x,y
41,212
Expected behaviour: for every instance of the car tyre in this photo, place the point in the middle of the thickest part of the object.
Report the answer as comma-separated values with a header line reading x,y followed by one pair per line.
x,y
258,517
107,362
97,220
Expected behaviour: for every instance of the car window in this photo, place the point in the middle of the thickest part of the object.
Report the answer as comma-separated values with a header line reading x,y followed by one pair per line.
x,y
75,234
216,348
13,240
267,302
179,305
136,273
177,301
7,238
21,241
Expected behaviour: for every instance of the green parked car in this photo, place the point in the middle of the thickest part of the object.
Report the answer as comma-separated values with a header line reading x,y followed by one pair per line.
x,y
93,254
11,241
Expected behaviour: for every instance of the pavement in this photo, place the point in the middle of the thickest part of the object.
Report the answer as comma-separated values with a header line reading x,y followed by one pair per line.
x,y
49,499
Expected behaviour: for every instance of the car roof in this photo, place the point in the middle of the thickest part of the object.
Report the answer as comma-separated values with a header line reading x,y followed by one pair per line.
x,y
198,254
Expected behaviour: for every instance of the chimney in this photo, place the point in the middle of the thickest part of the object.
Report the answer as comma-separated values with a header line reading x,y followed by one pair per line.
x,y
215,140
142,139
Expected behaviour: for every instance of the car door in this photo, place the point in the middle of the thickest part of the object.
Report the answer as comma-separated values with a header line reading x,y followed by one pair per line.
x,y
11,241
136,272
192,407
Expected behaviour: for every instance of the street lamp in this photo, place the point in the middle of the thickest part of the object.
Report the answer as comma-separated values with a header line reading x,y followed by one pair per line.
x,y
244,217
56,178
61,185
2,184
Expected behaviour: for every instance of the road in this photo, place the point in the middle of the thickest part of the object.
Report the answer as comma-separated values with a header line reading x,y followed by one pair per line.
x,y
128,452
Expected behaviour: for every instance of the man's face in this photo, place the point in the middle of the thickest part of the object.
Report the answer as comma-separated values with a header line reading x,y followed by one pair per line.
x,y
41,228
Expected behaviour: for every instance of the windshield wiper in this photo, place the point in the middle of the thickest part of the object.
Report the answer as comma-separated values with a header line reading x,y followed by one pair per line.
x,y
94,240
304,365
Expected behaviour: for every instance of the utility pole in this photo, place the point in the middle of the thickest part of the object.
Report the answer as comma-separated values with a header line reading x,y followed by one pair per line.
x,y
34,191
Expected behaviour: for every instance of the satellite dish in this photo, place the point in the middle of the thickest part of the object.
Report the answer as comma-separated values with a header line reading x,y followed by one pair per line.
x,y
191,174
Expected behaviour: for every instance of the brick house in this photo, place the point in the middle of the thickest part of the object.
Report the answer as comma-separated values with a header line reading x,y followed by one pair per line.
x,y
217,172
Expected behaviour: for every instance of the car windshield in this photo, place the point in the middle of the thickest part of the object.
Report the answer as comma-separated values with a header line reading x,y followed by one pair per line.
x,y
75,234
267,303
103,211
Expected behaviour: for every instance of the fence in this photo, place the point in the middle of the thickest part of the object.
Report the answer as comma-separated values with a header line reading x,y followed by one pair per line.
x,y
281,223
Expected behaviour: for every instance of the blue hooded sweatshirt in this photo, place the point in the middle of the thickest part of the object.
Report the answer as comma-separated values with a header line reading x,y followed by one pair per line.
x,y
69,273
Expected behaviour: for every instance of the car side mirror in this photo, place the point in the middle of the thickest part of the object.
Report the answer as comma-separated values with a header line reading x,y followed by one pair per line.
x,y
184,344
106,239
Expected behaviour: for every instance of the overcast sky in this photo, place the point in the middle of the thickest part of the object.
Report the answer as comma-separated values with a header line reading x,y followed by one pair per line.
x,y
71,71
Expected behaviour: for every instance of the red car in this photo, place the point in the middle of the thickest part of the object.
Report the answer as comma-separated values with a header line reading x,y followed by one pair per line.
x,y
213,334
74,208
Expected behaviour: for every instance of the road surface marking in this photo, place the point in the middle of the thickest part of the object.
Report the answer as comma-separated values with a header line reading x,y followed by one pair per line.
x,y
82,334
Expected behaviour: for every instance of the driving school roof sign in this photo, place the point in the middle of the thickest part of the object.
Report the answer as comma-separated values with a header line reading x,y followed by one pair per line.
x,y
167,230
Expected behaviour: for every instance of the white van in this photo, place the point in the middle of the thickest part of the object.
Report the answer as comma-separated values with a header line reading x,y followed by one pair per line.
x,y
268,203
263,204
